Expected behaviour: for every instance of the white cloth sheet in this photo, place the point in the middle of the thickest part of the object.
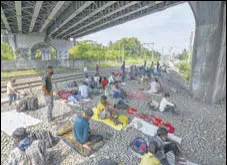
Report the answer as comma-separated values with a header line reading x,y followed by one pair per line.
x,y
12,120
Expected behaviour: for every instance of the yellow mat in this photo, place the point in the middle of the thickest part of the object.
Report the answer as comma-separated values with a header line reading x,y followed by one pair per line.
x,y
107,121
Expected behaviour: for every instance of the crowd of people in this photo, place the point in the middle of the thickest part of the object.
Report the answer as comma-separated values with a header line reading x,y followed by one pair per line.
x,y
104,108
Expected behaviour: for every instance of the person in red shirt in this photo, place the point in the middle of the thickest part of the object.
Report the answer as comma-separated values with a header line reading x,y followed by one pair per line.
x,y
104,82
97,68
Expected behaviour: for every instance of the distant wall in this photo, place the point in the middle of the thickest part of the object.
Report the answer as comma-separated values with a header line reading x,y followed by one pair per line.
x,y
36,64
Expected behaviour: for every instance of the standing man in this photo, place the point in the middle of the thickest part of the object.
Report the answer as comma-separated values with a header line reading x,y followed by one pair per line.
x,y
48,92
144,67
123,70
97,69
158,67
12,93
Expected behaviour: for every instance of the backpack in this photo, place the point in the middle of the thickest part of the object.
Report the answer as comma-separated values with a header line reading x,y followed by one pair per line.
x,y
21,106
139,146
122,105
32,103
27,104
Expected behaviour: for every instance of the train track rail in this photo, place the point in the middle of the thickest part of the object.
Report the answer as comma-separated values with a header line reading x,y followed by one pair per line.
x,y
38,81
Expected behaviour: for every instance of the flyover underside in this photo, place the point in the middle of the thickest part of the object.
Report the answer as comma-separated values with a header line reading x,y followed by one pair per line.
x,y
208,76
65,19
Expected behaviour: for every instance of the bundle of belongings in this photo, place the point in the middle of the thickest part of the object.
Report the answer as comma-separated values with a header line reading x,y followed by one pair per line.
x,y
64,95
31,147
121,105
66,132
152,119
72,84
30,103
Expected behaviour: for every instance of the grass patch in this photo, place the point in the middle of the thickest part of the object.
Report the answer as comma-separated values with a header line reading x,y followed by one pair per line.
x,y
31,71
128,60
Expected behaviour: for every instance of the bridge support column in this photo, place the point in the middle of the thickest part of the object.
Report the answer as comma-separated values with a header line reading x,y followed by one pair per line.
x,y
208,75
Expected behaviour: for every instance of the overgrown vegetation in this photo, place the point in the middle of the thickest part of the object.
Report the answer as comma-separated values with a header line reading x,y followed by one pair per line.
x,y
184,65
126,48
6,52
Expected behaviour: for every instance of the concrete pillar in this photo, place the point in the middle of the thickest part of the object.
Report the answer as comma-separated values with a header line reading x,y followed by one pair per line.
x,y
208,75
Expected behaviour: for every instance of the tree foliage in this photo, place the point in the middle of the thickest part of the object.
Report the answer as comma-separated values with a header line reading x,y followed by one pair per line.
x,y
53,53
184,55
38,54
184,65
6,52
132,47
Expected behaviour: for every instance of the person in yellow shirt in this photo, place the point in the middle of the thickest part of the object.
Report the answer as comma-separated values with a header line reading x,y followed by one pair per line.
x,y
149,159
106,110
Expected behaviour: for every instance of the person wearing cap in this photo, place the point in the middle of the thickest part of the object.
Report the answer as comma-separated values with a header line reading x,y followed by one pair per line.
x,y
47,89
106,110
159,146
82,130
118,92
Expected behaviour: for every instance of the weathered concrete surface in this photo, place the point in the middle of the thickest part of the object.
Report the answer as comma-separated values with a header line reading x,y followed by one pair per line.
x,y
25,45
208,80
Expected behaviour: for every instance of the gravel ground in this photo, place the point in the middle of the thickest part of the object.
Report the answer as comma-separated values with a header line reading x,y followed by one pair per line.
x,y
202,127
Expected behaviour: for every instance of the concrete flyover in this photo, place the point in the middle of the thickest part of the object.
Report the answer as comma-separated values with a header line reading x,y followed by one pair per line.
x,y
54,22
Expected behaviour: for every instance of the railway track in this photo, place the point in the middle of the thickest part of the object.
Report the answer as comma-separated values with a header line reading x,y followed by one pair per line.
x,y
38,81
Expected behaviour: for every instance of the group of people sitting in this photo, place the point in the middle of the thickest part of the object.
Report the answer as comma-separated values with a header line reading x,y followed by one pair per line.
x,y
159,145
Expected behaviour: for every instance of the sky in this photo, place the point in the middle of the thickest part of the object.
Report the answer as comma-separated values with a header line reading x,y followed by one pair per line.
x,y
170,28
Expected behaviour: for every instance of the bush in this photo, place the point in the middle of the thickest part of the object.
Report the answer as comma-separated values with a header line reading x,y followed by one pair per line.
x,y
6,52
185,69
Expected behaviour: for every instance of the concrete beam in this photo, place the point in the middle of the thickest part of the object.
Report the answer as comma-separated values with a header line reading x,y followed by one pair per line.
x,y
38,6
130,13
52,14
4,19
105,16
74,9
109,3
19,13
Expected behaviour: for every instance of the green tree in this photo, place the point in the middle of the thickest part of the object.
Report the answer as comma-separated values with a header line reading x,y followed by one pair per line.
x,y
38,54
53,53
6,52
183,55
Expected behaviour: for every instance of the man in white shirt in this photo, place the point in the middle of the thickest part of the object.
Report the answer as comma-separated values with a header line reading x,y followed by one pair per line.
x,y
155,87
112,79
84,90
97,78
12,93
85,72
165,105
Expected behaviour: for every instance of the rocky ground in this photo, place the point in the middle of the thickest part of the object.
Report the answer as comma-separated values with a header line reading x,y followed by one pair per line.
x,y
201,126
